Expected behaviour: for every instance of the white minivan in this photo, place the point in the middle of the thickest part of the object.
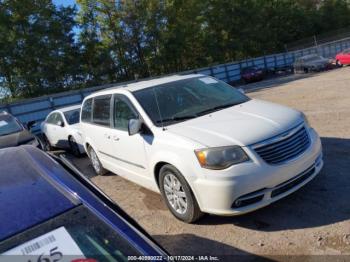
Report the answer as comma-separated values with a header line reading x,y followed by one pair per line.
x,y
205,146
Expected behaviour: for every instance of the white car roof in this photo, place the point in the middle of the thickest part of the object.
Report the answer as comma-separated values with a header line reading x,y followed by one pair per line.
x,y
147,83
68,108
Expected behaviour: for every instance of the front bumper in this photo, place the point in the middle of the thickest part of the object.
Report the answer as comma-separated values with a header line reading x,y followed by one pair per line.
x,y
256,182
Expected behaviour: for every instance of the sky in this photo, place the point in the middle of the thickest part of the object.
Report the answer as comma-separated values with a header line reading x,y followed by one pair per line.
x,y
64,2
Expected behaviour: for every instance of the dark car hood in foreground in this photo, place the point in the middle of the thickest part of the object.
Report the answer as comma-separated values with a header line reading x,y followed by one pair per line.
x,y
27,196
16,139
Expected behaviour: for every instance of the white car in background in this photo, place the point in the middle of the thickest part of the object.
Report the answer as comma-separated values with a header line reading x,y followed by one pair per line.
x,y
205,146
61,129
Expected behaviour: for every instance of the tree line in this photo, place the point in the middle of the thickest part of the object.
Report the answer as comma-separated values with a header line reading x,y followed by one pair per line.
x,y
45,48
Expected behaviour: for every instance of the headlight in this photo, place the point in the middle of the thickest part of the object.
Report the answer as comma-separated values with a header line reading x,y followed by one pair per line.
x,y
221,157
305,119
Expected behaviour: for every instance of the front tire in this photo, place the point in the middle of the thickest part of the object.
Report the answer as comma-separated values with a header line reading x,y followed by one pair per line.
x,y
178,195
96,164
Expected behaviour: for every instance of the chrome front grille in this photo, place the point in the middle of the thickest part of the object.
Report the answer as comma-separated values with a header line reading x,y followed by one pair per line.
x,y
284,147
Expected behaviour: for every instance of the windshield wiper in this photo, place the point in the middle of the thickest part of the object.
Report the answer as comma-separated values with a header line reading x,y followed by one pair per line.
x,y
216,108
176,118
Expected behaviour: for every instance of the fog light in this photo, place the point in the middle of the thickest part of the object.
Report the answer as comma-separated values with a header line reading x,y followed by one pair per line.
x,y
245,201
238,203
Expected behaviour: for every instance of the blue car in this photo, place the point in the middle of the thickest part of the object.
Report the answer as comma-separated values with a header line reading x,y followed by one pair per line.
x,y
50,212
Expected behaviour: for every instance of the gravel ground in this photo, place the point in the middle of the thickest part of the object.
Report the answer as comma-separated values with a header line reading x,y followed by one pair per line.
x,y
313,221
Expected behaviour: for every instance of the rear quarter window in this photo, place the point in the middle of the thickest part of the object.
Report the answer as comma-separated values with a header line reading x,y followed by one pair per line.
x,y
86,111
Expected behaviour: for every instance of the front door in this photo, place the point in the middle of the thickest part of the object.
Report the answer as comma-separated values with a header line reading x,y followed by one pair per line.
x,y
128,152
54,130
60,132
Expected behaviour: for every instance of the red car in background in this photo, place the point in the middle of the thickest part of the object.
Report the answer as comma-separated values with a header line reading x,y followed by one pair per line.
x,y
343,58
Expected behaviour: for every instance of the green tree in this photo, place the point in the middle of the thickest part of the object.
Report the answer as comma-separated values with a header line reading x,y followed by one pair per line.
x,y
37,49
45,48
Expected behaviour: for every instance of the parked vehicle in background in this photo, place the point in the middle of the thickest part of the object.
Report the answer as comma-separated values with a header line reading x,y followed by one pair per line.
x,y
252,74
205,146
61,128
312,63
343,58
14,133
49,211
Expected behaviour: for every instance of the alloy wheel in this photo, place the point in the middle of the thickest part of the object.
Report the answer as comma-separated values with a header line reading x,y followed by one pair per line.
x,y
175,193
94,160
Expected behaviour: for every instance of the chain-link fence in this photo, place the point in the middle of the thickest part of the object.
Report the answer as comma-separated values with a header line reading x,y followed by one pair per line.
x,y
320,39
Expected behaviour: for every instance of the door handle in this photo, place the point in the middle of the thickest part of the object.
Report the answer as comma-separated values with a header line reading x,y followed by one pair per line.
x,y
107,136
115,138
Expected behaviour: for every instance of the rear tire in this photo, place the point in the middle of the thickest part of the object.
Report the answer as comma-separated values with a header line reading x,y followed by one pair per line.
x,y
178,195
46,144
74,147
338,63
96,164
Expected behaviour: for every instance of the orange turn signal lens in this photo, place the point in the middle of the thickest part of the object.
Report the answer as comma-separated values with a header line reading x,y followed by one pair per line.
x,y
202,158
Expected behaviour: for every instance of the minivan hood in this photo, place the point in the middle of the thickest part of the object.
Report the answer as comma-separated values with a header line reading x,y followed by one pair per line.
x,y
243,124
16,139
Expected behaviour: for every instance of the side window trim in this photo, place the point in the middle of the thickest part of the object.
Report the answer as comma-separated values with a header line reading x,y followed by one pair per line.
x,y
128,102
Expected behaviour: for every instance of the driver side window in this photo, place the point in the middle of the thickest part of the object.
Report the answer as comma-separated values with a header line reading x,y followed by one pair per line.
x,y
123,112
54,119
59,119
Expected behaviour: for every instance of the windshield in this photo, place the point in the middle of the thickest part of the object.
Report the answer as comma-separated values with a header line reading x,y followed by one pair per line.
x,y
77,232
9,125
72,116
185,99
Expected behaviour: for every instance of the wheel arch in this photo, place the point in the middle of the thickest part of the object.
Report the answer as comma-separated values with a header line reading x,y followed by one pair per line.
x,y
87,144
178,164
156,171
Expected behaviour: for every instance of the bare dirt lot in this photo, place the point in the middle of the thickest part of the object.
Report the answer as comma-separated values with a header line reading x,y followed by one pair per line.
x,y
313,221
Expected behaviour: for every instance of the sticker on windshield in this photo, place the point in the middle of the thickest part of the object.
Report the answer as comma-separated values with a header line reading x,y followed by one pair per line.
x,y
53,246
208,80
3,123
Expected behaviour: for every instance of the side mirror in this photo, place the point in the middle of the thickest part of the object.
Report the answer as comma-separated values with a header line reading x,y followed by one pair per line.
x,y
31,124
60,123
241,90
134,126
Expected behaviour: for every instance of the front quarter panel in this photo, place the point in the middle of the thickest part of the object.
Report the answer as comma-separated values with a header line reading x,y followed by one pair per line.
x,y
175,150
